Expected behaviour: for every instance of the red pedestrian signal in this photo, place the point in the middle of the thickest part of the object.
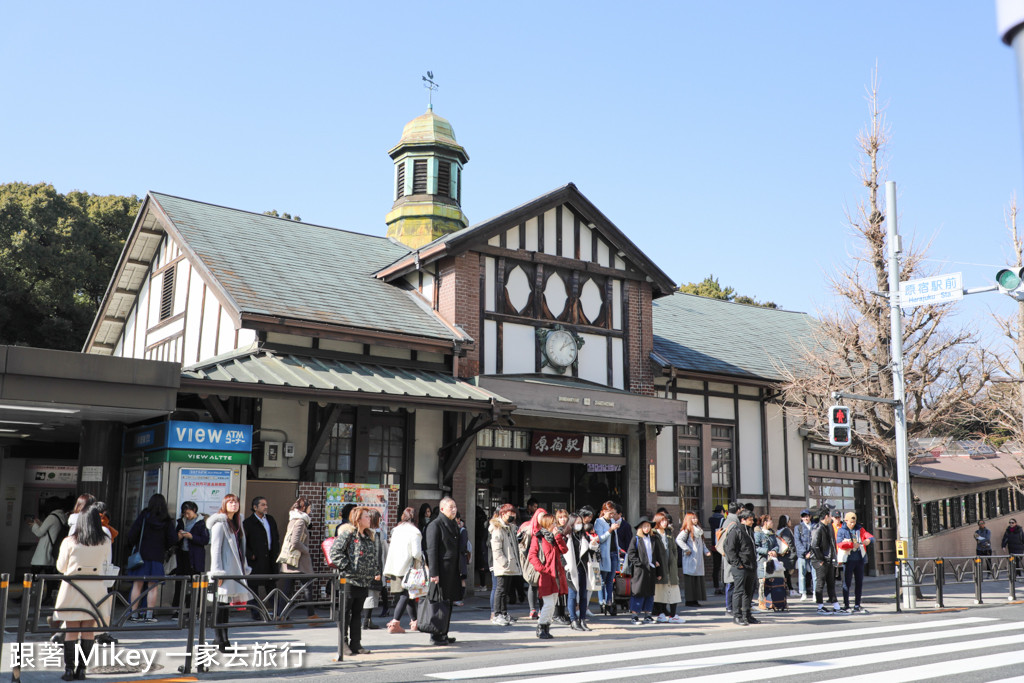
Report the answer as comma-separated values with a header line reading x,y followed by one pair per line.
x,y
839,433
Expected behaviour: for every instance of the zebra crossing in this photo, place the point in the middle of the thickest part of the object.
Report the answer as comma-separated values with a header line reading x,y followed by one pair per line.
x,y
914,651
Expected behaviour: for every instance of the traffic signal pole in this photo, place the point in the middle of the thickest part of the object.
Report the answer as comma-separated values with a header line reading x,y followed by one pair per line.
x,y
903,500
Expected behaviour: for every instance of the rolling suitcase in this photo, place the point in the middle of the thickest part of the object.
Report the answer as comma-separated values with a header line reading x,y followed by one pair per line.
x,y
775,593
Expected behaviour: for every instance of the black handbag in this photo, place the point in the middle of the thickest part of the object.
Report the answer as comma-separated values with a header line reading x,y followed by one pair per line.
x,y
433,612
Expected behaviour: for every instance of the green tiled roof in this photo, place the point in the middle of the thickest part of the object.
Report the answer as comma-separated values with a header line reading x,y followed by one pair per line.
x,y
714,336
269,368
279,267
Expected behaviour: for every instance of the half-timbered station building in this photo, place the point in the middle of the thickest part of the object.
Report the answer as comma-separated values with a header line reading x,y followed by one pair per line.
x,y
537,354
497,361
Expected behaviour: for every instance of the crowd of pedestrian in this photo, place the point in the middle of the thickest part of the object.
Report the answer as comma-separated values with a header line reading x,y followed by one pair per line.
x,y
554,561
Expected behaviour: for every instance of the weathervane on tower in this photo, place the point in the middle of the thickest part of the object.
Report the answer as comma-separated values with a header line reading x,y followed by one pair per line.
x,y
431,86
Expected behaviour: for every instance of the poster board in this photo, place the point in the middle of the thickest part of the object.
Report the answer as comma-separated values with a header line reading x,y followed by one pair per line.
x,y
150,486
367,495
203,486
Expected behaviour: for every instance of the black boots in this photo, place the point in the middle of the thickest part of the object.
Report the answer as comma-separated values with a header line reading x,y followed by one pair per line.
x,y
575,626
583,625
71,671
86,651
544,631
69,660
367,621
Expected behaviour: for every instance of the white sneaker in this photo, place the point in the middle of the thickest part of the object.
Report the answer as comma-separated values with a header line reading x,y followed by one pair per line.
x,y
803,597
676,620
591,614
662,619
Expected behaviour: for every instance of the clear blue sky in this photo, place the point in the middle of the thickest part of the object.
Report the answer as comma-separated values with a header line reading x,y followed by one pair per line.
x,y
719,136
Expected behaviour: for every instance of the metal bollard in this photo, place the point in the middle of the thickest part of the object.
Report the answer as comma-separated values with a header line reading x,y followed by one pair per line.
x,y
1013,577
899,586
5,580
343,598
939,580
190,599
26,605
977,581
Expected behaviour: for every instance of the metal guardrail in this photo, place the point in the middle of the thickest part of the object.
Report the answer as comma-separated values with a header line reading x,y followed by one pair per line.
x,y
940,571
193,616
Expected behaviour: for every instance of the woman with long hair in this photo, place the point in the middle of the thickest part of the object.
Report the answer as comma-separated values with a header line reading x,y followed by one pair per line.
x,y
766,545
787,550
526,532
81,603
666,589
227,558
83,501
691,541
546,549
357,557
424,518
645,563
505,562
294,557
153,535
579,547
406,549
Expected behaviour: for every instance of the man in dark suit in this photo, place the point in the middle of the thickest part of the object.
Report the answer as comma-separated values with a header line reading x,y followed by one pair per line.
x,y
262,545
443,560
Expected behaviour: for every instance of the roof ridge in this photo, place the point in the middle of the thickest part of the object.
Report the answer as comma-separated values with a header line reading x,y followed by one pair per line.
x,y
263,215
739,303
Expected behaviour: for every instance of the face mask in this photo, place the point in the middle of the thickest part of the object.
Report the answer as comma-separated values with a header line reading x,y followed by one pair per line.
x,y
578,527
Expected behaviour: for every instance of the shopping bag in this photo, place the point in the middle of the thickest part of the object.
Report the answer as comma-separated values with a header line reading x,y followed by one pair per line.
x,y
432,615
416,581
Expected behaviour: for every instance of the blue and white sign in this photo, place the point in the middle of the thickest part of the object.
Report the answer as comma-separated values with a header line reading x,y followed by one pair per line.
x,y
938,289
209,436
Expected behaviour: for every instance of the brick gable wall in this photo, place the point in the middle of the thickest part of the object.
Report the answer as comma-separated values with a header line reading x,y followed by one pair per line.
x,y
458,302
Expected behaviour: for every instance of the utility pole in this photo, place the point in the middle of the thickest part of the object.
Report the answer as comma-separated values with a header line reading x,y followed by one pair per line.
x,y
904,534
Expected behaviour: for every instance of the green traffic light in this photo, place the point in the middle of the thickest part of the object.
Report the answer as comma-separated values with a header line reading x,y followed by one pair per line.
x,y
1008,279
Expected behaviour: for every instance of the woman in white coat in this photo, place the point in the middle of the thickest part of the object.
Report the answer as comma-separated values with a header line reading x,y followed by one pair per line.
x,y
227,558
80,604
691,541
406,549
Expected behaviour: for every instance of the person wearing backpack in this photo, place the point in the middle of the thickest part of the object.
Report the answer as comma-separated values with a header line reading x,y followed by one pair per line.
x,y
51,530
728,524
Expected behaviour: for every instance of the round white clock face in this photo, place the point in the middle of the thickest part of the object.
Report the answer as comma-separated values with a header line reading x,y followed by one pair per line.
x,y
560,348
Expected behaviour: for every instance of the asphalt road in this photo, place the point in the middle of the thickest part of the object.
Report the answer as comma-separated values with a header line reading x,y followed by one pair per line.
x,y
982,644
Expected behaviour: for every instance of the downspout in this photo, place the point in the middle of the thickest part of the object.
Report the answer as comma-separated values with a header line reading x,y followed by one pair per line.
x,y
765,478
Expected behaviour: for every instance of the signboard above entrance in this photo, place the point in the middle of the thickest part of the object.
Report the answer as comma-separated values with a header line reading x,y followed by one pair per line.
x,y
561,444
208,436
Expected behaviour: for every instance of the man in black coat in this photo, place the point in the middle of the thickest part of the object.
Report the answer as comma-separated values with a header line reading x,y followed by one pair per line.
x,y
262,545
443,561
823,558
739,551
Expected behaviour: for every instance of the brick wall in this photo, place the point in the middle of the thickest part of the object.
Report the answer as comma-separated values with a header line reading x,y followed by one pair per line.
x,y
459,302
316,493
641,339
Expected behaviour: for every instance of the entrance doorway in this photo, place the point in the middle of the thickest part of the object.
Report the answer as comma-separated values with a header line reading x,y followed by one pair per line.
x,y
554,484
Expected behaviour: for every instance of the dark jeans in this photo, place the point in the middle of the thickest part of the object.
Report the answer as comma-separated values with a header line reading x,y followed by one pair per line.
x,y
716,568
353,617
744,588
728,595
501,588
51,586
854,573
824,578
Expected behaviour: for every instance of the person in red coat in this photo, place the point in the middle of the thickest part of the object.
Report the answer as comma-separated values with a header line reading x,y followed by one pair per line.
x,y
546,550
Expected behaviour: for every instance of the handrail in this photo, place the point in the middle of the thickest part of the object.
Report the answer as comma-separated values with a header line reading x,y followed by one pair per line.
x,y
969,569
